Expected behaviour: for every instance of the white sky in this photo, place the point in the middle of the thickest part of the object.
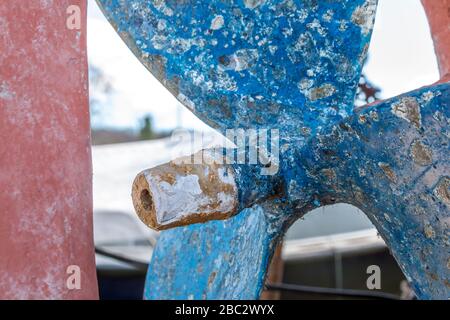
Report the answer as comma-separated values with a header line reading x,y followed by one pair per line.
x,y
401,58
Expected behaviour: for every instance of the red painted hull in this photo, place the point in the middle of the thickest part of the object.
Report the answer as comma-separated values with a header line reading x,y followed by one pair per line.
x,y
45,159
438,13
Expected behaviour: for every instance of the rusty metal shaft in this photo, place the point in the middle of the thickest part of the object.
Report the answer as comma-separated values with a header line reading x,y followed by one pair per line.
x,y
185,191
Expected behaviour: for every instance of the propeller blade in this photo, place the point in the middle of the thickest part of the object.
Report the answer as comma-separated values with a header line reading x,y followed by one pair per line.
x,y
251,64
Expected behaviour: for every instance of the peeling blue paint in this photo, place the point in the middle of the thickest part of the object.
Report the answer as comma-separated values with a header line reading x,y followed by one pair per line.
x,y
367,160
216,260
293,59
378,168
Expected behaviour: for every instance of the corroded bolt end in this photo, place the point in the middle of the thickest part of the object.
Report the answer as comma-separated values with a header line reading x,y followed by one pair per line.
x,y
177,194
143,201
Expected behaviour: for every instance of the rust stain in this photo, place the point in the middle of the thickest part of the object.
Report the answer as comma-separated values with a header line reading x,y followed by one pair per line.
x,y
388,171
210,181
421,153
211,278
409,109
329,174
321,92
442,190
429,231
362,119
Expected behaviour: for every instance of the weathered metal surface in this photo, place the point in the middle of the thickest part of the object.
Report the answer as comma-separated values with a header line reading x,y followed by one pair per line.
x,y
252,64
389,163
294,66
45,160
181,193
392,161
216,260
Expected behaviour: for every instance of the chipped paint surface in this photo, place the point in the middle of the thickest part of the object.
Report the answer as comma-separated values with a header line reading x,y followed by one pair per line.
x,y
421,153
180,193
294,65
409,207
363,16
405,188
231,59
222,259
442,190
408,108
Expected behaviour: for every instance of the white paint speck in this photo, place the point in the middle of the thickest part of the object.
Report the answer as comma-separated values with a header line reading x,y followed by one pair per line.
x,y
217,23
